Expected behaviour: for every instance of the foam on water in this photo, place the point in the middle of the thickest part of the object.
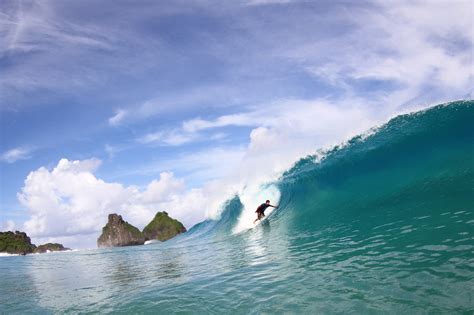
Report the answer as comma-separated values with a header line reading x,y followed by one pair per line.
x,y
150,242
7,255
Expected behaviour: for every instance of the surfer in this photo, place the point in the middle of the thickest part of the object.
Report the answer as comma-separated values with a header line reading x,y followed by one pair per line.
x,y
261,209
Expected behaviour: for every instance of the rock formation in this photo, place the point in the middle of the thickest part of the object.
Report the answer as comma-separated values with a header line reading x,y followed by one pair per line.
x,y
163,227
16,243
50,247
118,232
19,243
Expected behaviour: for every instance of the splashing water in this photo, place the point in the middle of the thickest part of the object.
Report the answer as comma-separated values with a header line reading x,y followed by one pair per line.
x,y
251,198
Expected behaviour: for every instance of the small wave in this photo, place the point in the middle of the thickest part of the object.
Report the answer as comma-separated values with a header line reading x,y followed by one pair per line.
x,y
150,242
8,255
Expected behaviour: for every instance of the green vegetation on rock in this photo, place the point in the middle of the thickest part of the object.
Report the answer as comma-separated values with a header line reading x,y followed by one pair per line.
x,y
19,243
16,243
163,227
52,247
133,230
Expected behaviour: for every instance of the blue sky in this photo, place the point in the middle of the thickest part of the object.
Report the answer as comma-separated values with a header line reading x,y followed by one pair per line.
x,y
180,104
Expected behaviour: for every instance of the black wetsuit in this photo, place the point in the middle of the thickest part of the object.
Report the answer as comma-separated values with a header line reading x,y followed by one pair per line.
x,y
261,209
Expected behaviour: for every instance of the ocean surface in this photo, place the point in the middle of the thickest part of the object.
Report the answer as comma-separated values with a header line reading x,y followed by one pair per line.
x,y
383,224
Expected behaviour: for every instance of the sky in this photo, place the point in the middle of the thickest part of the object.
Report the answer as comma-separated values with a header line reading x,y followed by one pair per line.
x,y
134,107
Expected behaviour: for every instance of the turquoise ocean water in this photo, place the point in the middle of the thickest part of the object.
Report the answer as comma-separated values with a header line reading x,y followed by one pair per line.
x,y
383,224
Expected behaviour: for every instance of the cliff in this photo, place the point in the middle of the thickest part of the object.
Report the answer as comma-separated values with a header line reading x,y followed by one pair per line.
x,y
50,247
163,227
16,243
118,232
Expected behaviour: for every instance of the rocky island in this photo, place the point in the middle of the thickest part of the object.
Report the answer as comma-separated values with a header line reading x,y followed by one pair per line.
x,y
19,243
50,247
16,243
118,232
163,227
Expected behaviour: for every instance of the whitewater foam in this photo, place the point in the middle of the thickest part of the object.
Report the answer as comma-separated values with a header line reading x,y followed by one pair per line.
x,y
8,255
150,242
251,197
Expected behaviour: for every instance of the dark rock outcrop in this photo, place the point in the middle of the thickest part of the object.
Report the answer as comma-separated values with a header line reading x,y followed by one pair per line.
x,y
16,243
19,243
50,247
118,232
163,227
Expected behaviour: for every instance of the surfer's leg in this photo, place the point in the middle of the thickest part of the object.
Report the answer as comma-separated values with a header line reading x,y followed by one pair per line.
x,y
259,216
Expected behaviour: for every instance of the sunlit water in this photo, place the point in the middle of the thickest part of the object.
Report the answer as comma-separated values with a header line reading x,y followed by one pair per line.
x,y
382,225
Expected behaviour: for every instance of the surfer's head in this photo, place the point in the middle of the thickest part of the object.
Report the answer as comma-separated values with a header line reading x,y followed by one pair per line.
x,y
268,201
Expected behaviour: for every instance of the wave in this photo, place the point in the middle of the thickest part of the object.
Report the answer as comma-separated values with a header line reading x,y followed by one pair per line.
x,y
421,162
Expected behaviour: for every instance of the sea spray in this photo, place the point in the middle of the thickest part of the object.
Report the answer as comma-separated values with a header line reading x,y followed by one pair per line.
x,y
251,197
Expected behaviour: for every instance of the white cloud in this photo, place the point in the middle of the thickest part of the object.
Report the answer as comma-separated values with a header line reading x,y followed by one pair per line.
x,y
77,167
298,128
23,25
70,200
208,164
151,137
424,52
163,189
112,150
416,43
190,130
118,117
29,28
241,119
218,136
266,115
197,167
179,101
171,138
13,155
176,138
